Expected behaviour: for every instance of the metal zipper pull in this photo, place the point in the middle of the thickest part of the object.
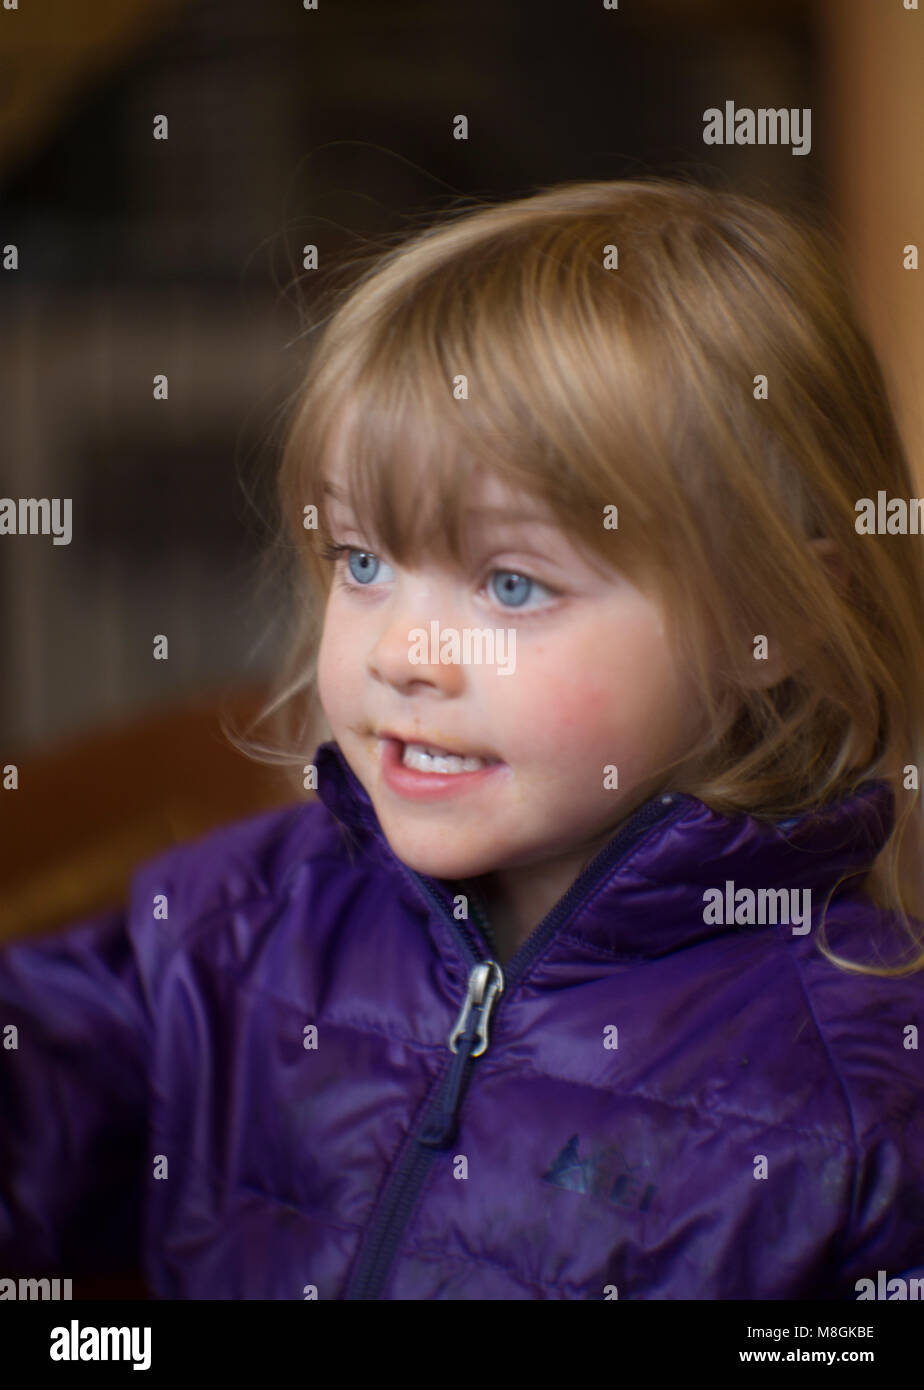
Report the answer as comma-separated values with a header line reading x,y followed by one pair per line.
x,y
485,983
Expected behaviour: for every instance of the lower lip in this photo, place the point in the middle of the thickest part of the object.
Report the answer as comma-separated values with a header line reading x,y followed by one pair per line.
x,y
426,786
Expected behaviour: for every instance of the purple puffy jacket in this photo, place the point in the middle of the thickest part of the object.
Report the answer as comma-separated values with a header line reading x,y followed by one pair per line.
x,y
311,1079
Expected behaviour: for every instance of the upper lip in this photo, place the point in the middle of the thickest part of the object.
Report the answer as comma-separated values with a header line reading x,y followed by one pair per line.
x,y
425,742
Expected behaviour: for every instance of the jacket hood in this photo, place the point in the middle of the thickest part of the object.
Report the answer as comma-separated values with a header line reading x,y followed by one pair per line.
x,y
642,894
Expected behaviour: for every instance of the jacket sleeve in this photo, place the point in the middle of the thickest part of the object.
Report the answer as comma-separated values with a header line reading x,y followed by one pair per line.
x,y
884,1238
74,1042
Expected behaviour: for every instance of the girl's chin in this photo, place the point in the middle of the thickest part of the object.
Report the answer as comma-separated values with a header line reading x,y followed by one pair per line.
x,y
436,863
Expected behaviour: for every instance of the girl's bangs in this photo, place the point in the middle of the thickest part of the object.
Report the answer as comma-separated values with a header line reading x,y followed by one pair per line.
x,y
408,460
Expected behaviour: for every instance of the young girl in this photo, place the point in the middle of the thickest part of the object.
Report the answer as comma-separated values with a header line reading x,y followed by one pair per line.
x,y
594,969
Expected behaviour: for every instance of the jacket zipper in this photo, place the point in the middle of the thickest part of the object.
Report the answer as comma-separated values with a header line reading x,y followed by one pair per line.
x,y
468,1039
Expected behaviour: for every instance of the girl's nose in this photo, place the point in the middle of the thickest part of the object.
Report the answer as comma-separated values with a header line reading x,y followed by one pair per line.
x,y
407,653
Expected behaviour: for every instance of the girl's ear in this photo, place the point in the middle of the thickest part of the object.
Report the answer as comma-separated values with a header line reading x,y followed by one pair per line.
x,y
768,665
831,554
770,670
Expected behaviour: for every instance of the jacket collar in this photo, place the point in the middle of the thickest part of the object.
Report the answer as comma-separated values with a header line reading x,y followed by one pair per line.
x,y
643,893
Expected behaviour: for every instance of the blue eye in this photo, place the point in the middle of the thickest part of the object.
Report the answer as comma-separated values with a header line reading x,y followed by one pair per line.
x,y
518,591
366,565
365,570
510,588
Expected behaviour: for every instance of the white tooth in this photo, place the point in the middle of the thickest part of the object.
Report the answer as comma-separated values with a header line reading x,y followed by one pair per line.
x,y
416,756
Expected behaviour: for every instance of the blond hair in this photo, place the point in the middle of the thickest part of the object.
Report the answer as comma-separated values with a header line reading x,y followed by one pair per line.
x,y
611,334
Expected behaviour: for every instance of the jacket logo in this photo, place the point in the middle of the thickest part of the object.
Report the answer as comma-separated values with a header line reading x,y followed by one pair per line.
x,y
605,1175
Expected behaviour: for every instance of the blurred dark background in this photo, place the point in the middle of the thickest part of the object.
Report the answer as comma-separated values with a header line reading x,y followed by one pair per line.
x,y
183,256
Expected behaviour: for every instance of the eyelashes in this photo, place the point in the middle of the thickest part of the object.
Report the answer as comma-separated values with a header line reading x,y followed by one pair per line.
x,y
332,551
336,553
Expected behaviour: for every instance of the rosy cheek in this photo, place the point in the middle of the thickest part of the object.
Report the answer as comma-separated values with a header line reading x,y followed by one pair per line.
x,y
573,712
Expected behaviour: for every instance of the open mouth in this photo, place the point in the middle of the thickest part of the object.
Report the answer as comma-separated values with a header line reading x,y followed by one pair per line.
x,y
423,758
428,757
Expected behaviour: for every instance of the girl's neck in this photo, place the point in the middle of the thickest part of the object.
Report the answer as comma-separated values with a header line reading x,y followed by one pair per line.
x,y
515,900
